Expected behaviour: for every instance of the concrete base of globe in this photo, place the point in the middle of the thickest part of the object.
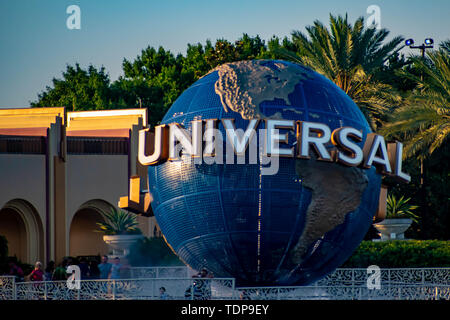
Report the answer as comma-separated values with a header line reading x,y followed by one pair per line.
x,y
393,229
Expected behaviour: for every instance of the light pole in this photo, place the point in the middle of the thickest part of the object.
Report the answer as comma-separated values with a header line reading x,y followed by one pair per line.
x,y
427,44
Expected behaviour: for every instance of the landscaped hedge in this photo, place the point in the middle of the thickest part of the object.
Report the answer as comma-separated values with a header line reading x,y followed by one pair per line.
x,y
401,254
149,252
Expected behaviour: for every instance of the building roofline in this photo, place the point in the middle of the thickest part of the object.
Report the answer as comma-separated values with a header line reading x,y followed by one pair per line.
x,y
108,113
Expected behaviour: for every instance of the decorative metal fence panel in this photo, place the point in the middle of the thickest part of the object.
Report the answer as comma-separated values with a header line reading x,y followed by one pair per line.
x,y
7,288
393,292
343,284
159,272
126,289
352,276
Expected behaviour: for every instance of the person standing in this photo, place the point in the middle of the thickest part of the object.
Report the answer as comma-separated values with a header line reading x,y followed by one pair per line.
x,y
84,269
48,276
115,269
37,274
15,270
94,272
162,294
105,268
60,272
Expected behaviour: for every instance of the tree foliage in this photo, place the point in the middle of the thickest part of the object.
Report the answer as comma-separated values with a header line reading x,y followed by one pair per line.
x,y
152,252
423,122
401,254
351,56
153,80
78,90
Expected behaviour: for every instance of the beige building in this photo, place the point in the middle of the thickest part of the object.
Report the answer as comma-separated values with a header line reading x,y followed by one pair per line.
x,y
58,171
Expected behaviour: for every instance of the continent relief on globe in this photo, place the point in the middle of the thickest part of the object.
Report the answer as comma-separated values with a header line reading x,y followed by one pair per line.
x,y
243,85
336,190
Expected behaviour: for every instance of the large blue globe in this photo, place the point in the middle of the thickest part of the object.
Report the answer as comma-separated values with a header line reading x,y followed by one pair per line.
x,y
290,228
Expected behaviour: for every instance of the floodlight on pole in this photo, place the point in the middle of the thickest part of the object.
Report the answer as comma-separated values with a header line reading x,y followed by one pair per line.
x,y
428,43
409,42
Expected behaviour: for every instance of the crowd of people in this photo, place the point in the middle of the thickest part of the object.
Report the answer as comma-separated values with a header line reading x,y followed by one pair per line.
x,y
89,270
200,289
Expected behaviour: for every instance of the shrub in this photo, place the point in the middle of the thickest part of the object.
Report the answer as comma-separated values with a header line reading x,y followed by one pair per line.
x,y
152,252
398,208
401,254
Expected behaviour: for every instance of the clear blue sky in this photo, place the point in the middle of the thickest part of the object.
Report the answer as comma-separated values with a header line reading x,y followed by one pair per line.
x,y
35,44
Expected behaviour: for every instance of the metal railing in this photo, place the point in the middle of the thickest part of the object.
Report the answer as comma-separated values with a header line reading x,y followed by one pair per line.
x,y
346,292
388,276
7,288
126,289
159,272
343,284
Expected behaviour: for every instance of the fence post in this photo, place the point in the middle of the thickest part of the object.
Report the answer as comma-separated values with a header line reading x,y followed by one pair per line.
x,y
45,290
353,284
389,279
14,288
154,292
114,289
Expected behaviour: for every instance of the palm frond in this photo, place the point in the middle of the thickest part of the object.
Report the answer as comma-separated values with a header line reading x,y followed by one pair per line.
x,y
423,123
397,208
349,55
118,222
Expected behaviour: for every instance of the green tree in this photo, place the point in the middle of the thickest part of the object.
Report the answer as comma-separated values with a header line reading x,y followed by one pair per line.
x,y
423,126
423,123
222,52
156,78
351,56
153,80
79,89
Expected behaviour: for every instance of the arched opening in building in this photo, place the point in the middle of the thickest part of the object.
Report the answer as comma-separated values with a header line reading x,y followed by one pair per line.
x,y
83,238
22,227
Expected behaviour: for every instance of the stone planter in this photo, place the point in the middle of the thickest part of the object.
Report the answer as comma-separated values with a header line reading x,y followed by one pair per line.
x,y
121,243
391,229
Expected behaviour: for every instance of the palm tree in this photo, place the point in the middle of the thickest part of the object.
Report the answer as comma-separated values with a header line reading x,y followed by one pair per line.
x,y
423,123
350,56
445,45
118,222
398,208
